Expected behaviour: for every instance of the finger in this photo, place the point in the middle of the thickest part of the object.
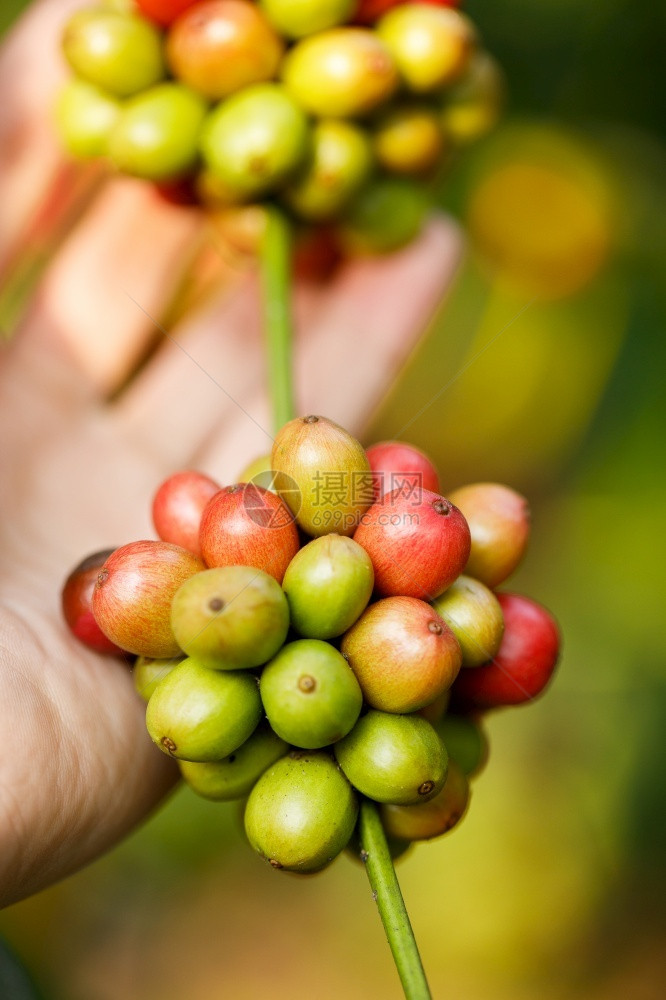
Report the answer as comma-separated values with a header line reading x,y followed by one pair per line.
x,y
207,369
105,777
31,71
361,330
116,270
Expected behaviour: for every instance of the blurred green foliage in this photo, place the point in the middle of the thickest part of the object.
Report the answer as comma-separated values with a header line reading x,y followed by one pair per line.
x,y
554,885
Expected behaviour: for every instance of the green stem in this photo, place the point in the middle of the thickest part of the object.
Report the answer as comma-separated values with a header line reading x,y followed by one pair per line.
x,y
276,287
386,892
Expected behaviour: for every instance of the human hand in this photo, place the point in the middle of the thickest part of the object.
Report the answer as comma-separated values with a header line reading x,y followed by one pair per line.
x,y
77,769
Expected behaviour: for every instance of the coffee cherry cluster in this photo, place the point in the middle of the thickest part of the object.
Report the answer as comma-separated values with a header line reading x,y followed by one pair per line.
x,y
339,108
324,629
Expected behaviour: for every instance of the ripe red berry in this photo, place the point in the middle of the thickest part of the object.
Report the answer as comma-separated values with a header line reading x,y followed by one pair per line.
x,y
178,505
246,525
370,11
77,603
163,11
132,596
317,255
524,662
181,192
418,544
401,466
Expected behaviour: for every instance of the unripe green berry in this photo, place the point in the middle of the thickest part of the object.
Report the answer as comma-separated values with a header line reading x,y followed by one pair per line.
x,y
339,163
340,73
393,758
119,52
297,18
386,215
310,694
473,105
301,812
230,617
148,672
408,139
328,584
254,140
85,116
474,615
431,46
465,741
234,776
202,715
157,133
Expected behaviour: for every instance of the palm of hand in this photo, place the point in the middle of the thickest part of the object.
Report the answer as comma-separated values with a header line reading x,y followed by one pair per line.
x,y
77,769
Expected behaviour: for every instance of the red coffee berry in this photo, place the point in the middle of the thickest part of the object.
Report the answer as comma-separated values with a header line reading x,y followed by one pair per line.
x,y
132,596
524,662
178,505
77,610
246,525
418,544
401,466
370,11
163,11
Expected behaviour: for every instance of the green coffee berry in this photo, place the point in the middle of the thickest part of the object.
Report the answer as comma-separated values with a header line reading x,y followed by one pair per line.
x,y
340,162
310,694
328,584
431,46
230,617
474,615
465,741
473,105
301,812
254,140
340,73
296,18
408,139
386,215
119,52
148,672
393,758
157,132
85,116
202,715
234,776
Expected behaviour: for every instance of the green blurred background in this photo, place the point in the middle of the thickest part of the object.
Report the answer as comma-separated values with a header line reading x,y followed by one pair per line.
x,y
551,350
